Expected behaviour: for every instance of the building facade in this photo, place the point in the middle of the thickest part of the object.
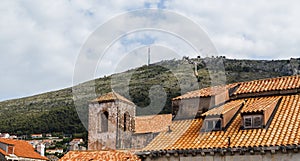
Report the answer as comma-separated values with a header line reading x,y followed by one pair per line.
x,y
112,120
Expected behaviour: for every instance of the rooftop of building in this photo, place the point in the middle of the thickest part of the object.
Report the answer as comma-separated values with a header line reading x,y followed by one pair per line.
x,y
152,123
21,149
256,86
111,155
281,132
110,97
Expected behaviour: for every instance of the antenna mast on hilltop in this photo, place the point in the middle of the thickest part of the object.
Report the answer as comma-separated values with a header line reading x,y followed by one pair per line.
x,y
148,56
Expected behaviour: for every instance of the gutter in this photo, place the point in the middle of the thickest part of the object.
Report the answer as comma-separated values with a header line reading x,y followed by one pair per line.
x,y
220,151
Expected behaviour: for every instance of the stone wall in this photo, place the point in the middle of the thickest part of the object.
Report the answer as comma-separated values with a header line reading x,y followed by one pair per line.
x,y
189,108
115,136
290,156
140,141
118,135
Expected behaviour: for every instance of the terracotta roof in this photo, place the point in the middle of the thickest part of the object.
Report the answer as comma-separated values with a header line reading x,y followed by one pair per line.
x,y
111,96
22,149
206,92
272,84
100,155
224,108
165,139
256,86
261,104
284,130
152,123
3,152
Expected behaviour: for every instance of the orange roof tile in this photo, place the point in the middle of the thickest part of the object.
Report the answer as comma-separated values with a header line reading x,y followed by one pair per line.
x,y
283,130
164,139
272,84
206,92
100,155
3,152
111,96
261,104
224,108
152,123
256,86
22,149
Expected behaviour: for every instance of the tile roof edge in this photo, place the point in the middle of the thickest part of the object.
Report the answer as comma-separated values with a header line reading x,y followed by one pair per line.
x,y
144,116
230,86
272,78
265,94
116,95
3,152
113,100
41,158
236,84
222,151
174,99
267,79
241,103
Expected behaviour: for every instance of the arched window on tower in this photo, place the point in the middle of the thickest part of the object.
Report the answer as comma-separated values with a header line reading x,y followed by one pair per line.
x,y
98,123
126,121
103,121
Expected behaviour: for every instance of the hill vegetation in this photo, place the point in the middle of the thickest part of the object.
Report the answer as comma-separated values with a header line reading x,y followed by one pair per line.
x,y
56,111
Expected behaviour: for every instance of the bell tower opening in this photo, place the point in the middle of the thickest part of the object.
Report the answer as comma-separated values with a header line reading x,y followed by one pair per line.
x,y
126,121
104,121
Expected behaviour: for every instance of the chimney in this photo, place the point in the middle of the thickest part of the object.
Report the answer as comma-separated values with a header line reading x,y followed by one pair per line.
x,y
228,142
41,149
169,129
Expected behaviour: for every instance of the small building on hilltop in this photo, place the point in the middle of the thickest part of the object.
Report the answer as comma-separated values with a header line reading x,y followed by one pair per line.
x,y
36,136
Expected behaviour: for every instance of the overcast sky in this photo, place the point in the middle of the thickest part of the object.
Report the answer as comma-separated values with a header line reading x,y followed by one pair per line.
x,y
41,40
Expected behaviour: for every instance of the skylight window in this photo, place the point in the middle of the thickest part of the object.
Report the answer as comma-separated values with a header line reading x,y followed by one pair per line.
x,y
253,121
213,124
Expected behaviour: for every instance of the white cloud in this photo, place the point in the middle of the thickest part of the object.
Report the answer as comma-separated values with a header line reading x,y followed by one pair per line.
x,y
40,40
252,29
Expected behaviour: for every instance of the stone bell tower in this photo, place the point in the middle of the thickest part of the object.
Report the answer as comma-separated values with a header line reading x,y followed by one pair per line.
x,y
111,122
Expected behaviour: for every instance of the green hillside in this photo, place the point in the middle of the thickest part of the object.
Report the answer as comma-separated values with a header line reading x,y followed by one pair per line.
x,y
56,112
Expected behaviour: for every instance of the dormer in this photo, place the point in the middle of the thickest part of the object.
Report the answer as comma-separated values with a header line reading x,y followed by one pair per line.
x,y
199,101
258,112
8,148
219,118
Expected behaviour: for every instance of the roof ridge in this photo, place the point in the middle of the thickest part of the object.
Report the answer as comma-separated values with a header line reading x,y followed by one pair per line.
x,y
272,78
270,84
111,96
207,91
